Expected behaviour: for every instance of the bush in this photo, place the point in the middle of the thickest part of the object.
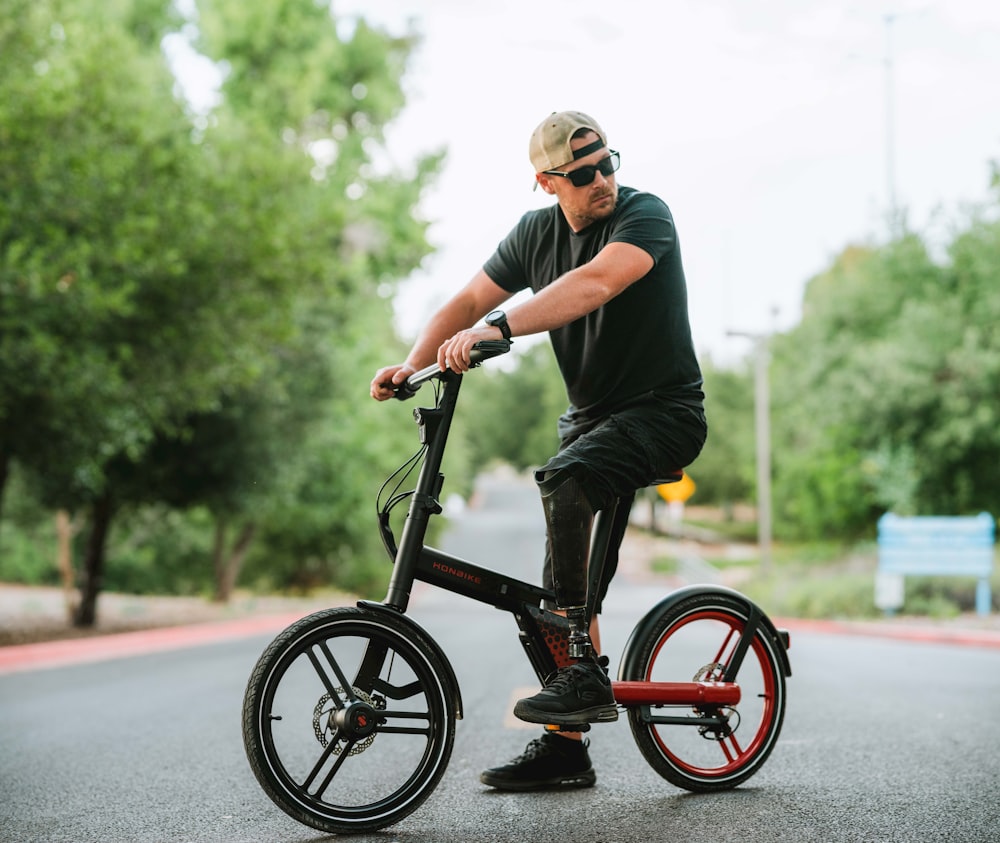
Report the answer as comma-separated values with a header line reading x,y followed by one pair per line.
x,y
28,554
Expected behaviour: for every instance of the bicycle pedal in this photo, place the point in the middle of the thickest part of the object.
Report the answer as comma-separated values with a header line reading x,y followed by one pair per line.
x,y
575,727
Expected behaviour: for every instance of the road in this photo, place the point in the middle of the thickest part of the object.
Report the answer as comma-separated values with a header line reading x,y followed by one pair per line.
x,y
883,741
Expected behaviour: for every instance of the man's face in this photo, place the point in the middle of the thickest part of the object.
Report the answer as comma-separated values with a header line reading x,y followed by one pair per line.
x,y
591,202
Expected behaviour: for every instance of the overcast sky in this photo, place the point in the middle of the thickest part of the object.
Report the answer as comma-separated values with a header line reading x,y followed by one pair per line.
x,y
763,125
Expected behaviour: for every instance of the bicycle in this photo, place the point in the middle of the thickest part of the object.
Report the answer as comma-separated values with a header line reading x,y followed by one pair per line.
x,y
349,714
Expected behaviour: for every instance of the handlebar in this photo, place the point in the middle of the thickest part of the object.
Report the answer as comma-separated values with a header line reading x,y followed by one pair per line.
x,y
482,350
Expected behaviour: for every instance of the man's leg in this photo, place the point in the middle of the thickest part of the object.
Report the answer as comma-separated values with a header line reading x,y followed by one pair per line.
x,y
617,462
568,519
581,692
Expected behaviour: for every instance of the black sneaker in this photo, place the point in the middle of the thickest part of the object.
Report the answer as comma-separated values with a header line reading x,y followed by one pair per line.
x,y
550,761
576,694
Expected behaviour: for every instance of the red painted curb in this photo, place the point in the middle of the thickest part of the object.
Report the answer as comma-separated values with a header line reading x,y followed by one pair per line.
x,y
897,631
49,654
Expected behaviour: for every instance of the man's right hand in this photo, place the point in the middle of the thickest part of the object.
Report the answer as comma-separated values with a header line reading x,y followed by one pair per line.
x,y
387,379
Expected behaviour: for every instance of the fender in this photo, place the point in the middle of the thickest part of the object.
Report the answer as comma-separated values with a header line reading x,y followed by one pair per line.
x,y
630,657
452,681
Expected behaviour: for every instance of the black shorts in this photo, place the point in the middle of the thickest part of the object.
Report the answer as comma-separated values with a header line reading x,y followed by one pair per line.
x,y
614,456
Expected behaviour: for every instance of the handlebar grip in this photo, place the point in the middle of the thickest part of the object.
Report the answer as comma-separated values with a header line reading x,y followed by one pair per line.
x,y
482,350
404,391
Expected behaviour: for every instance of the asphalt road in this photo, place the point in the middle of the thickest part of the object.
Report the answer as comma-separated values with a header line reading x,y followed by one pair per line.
x,y
883,740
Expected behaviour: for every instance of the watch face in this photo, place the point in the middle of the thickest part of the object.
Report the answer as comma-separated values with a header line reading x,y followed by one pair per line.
x,y
498,319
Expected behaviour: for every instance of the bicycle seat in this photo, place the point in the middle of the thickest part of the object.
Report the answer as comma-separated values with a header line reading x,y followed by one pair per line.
x,y
674,476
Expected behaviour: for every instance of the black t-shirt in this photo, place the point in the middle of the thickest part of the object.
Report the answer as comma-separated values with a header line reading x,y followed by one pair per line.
x,y
637,343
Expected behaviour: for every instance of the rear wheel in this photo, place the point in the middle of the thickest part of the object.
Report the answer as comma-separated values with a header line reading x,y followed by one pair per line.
x,y
708,748
348,720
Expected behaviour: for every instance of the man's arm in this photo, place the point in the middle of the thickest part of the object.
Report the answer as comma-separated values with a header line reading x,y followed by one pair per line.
x,y
571,296
582,290
460,312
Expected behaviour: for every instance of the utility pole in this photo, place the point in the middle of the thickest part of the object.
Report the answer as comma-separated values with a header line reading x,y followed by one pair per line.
x,y
762,427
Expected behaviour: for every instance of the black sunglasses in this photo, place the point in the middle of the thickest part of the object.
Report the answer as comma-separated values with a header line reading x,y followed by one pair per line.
x,y
585,175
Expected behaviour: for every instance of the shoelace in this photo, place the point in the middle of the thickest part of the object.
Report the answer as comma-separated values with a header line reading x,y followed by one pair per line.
x,y
534,748
538,746
567,677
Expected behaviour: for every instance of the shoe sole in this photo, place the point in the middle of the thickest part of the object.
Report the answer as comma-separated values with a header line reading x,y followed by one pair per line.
x,y
597,714
579,780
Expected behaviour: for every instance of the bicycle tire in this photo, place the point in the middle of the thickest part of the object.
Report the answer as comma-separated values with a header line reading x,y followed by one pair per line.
x,y
348,759
693,640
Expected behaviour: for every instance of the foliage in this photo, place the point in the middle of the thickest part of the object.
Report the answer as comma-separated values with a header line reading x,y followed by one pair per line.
x,y
177,291
884,395
724,471
81,132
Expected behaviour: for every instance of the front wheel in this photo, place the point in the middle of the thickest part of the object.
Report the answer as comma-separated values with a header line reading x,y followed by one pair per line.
x,y
709,748
348,720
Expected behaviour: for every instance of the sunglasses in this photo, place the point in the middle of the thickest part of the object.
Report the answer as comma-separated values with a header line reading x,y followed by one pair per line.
x,y
585,175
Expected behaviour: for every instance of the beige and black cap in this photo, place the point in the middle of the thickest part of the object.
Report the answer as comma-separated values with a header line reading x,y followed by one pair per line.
x,y
549,147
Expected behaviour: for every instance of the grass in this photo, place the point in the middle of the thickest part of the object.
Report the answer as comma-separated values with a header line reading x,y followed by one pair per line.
x,y
825,580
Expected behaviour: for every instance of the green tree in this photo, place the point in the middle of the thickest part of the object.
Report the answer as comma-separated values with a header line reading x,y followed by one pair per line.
x,y
159,286
885,393
106,332
725,469
325,91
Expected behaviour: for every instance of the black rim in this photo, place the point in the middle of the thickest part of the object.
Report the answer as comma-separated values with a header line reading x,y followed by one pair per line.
x,y
412,709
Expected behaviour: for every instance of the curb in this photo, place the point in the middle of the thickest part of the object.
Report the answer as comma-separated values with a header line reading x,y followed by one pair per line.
x,y
48,654
918,634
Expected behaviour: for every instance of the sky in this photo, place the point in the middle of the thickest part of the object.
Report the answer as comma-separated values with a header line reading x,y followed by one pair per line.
x,y
778,131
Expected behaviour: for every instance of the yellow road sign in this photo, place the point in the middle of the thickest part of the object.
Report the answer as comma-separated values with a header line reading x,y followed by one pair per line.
x,y
677,492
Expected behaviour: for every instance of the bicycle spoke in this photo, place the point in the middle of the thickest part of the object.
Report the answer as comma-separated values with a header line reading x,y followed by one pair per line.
x,y
405,730
341,678
324,756
731,754
341,758
330,688
720,655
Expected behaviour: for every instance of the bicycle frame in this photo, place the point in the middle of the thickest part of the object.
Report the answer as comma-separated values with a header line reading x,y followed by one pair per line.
x,y
413,561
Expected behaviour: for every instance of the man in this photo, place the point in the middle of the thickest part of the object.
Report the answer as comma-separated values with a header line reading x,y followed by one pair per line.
x,y
605,268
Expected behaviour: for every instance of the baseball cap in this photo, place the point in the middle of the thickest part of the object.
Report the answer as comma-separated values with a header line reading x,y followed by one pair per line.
x,y
549,147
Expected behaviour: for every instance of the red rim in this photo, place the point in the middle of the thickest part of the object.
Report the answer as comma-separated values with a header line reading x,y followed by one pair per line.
x,y
735,756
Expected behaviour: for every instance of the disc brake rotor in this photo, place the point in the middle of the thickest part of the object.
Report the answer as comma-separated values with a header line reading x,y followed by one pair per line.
x,y
323,721
711,672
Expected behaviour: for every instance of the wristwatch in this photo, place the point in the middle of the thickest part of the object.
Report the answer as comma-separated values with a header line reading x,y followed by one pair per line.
x,y
498,319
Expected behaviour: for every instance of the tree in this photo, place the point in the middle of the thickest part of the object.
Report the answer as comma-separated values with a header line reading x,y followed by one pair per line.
x,y
104,332
884,394
150,275
323,91
725,468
